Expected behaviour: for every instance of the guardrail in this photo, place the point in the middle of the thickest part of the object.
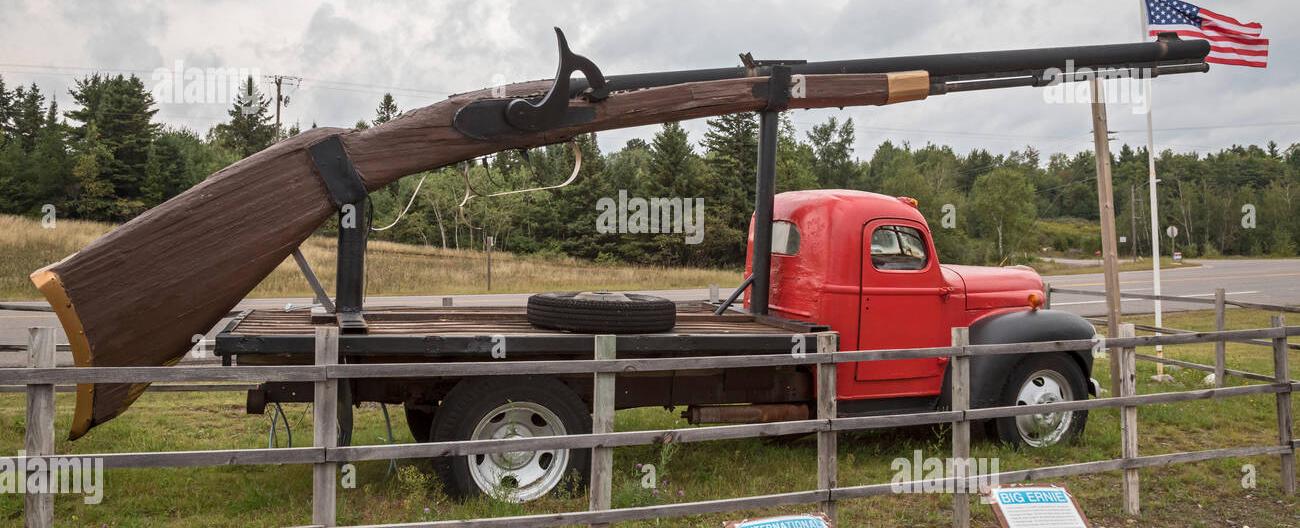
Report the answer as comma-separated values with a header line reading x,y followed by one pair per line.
x,y
325,455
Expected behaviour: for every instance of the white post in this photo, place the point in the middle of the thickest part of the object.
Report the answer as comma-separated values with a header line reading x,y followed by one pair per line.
x,y
827,441
1128,420
39,507
1220,346
1154,200
1155,227
1282,375
960,373
602,421
326,430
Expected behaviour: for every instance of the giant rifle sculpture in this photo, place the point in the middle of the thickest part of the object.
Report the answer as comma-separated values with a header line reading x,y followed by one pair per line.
x,y
137,295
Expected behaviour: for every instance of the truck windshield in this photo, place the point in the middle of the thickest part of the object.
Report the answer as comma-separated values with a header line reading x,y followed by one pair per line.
x,y
897,248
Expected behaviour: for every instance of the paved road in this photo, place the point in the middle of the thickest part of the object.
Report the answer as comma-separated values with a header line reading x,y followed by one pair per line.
x,y
1263,281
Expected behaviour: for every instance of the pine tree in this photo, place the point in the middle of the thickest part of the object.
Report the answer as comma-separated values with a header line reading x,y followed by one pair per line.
x,y
250,128
6,105
671,159
121,109
50,164
731,155
731,150
387,110
832,145
28,115
94,192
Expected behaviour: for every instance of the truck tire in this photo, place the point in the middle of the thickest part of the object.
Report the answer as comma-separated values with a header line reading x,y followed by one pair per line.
x,y
602,312
1042,378
512,407
419,421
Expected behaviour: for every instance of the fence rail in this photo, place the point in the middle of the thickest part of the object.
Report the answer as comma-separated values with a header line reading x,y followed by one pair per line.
x,y
1220,303
325,457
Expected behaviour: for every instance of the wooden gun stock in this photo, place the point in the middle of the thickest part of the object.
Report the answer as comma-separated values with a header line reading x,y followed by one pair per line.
x,y
138,295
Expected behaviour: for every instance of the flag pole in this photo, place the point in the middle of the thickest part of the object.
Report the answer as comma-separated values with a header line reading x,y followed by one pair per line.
x,y
1155,202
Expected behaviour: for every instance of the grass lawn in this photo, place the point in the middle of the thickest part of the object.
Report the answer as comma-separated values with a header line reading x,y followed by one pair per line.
x,y
1200,494
391,268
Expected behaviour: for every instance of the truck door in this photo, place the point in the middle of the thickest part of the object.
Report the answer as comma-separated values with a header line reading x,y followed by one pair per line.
x,y
901,306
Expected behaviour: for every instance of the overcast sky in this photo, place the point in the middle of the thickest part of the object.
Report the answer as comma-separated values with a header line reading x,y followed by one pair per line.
x,y
348,53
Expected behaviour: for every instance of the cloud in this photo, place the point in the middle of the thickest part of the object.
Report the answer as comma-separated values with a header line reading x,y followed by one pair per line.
x,y
349,53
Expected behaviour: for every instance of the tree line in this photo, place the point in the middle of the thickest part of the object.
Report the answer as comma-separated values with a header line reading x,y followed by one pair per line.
x,y
108,159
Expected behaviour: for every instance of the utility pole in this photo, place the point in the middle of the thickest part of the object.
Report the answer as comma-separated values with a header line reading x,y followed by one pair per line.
x,y
1133,219
1106,208
280,99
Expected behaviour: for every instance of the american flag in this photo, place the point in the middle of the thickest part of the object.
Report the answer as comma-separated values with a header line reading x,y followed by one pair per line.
x,y
1231,41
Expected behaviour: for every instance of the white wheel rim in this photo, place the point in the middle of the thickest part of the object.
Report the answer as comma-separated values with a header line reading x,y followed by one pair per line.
x,y
1039,430
518,476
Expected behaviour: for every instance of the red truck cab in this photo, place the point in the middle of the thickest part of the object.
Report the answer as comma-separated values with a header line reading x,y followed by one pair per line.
x,y
865,264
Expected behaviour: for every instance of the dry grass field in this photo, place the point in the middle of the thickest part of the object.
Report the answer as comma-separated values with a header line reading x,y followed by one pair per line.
x,y
391,269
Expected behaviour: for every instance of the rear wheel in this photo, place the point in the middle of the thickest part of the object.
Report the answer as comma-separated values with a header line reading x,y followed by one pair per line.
x,y
1043,379
512,407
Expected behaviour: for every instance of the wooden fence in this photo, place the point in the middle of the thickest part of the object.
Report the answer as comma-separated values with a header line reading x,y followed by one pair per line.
x,y
1220,302
325,456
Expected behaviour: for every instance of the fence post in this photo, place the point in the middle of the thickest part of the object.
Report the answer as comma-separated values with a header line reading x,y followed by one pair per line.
x,y
827,441
1127,358
960,374
39,507
1282,374
1047,296
325,433
1220,346
602,421
446,301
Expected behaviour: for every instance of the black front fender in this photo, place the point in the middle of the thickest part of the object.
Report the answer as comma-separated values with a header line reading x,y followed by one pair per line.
x,y
989,373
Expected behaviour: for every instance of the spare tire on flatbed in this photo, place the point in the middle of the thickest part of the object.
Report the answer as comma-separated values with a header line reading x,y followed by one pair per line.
x,y
602,312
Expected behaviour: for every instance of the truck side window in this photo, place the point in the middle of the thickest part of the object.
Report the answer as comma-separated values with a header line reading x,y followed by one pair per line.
x,y
785,238
897,248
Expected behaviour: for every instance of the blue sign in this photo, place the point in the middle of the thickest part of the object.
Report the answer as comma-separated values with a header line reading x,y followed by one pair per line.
x,y
792,521
1033,496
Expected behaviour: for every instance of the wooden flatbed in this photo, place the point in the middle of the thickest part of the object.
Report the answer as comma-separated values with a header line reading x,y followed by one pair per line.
x,y
467,333
435,334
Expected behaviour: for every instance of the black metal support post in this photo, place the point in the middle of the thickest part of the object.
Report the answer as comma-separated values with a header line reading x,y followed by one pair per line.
x,y
350,284
765,192
769,120
348,192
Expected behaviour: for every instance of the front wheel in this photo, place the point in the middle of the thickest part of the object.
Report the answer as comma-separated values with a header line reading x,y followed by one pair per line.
x,y
512,407
1043,379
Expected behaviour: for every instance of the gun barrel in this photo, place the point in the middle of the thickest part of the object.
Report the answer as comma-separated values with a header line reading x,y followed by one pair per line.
x,y
955,67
